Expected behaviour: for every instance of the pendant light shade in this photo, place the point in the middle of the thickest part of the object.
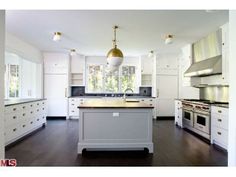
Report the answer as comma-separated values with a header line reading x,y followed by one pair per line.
x,y
114,56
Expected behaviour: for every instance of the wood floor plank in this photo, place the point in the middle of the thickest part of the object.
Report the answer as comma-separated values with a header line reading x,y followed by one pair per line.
x,y
56,145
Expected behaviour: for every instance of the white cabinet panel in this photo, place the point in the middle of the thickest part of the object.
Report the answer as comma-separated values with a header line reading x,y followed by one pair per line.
x,y
77,64
55,90
178,113
56,63
165,107
146,65
167,86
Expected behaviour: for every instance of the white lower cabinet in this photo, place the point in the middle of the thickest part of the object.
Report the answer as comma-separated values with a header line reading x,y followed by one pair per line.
x,y
178,113
23,118
219,126
75,101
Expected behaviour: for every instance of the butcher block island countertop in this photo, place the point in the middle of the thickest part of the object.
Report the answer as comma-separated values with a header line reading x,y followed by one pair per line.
x,y
114,104
115,125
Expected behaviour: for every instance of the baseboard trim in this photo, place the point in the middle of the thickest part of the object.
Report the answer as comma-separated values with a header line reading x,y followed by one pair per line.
x,y
56,117
165,118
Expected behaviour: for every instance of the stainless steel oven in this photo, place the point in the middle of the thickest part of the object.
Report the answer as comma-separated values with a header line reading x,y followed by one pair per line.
x,y
202,122
188,119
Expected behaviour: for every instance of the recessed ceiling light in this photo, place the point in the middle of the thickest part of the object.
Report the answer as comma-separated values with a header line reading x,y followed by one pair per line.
x,y
57,36
73,52
169,39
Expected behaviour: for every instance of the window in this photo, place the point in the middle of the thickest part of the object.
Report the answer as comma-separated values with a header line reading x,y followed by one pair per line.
x,y
111,82
95,78
12,80
128,78
100,80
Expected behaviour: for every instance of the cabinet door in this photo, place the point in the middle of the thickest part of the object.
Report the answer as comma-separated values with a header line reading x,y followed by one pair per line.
x,y
165,107
146,65
55,88
56,63
77,64
167,86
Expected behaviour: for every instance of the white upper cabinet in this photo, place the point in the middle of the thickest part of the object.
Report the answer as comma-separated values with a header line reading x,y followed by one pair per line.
x,y
167,61
146,65
225,53
56,63
77,64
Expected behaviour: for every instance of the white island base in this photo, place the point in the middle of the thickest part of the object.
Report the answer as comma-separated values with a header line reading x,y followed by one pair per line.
x,y
115,128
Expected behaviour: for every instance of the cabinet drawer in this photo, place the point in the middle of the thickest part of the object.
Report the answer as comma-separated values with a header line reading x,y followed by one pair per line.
x,y
220,110
12,132
220,136
220,121
11,109
12,118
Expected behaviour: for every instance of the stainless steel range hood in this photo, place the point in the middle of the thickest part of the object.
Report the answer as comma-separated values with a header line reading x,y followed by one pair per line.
x,y
207,67
207,56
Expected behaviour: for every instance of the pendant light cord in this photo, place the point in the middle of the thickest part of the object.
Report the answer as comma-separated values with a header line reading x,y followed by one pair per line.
x,y
114,40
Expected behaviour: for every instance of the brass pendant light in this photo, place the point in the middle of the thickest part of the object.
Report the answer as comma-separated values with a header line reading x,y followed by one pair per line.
x,y
114,56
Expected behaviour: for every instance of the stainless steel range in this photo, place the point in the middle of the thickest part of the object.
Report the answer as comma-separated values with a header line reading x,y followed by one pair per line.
x,y
196,116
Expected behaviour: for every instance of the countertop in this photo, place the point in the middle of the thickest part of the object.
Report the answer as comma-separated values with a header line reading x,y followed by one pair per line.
x,y
11,102
221,105
110,97
113,104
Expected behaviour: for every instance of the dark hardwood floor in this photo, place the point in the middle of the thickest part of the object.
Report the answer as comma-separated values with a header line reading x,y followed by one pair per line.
x,y
56,145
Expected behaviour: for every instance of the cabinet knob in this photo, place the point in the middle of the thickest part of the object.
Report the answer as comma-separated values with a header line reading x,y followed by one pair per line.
x,y
219,133
219,111
23,126
23,107
14,109
31,122
219,120
31,112
14,117
14,129
23,114
37,119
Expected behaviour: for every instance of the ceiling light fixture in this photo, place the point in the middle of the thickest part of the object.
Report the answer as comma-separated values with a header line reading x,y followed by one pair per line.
x,y
73,52
114,56
57,36
169,39
150,54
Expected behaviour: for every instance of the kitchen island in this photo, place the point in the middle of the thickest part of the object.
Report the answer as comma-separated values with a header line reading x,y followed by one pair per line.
x,y
115,125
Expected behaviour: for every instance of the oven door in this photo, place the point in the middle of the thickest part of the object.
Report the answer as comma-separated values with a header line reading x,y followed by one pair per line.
x,y
187,118
202,122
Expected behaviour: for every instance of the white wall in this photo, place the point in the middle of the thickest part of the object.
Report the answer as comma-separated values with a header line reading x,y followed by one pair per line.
x,y
23,49
232,88
30,53
2,45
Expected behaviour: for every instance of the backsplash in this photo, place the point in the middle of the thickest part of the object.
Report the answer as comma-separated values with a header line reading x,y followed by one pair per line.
x,y
215,93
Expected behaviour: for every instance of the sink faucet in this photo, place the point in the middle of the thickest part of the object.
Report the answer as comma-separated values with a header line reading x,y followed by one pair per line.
x,y
128,89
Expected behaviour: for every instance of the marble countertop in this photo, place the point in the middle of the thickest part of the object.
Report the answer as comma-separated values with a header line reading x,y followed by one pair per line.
x,y
10,102
113,104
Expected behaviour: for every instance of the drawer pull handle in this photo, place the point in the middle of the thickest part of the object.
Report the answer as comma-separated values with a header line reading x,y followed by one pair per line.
x,y
200,127
31,105
37,119
14,129
72,104
43,102
72,111
14,109
31,122
43,108
23,126
150,100
37,103
37,110
14,117
23,107
219,133
219,111
150,104
219,120
23,114
43,117
31,112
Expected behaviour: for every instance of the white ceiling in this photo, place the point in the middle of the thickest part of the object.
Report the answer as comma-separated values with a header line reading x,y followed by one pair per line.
x,y
90,32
